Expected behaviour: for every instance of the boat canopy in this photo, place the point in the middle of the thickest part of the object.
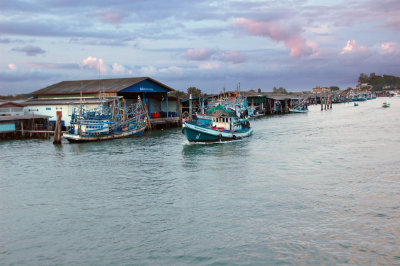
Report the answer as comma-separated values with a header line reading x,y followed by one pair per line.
x,y
220,109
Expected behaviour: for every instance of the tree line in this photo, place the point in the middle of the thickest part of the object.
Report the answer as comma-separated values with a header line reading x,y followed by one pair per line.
x,y
378,82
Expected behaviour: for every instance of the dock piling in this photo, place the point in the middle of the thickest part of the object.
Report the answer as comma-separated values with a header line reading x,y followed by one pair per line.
x,y
57,131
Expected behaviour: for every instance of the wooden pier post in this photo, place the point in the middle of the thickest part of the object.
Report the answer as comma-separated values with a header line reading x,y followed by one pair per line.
x,y
22,129
146,110
322,103
180,112
57,130
331,102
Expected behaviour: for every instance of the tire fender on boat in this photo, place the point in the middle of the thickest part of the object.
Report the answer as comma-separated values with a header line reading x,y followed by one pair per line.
x,y
220,136
234,137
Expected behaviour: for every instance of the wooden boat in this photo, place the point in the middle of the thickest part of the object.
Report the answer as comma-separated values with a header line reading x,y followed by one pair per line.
x,y
106,121
226,125
385,105
299,109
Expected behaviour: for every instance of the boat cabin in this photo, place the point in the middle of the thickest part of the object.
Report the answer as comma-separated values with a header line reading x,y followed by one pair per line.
x,y
224,122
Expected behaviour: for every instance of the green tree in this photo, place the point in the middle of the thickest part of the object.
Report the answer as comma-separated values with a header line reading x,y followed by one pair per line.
x,y
363,78
259,90
177,93
281,90
334,88
194,91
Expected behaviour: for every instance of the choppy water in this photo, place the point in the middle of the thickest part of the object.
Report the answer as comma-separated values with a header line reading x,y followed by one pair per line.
x,y
316,188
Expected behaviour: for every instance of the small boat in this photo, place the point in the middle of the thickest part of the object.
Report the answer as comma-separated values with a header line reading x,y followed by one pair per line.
x,y
385,105
226,125
355,104
106,121
299,109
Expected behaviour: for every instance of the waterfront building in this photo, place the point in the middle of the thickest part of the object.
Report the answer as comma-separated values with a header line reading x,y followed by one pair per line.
x,y
60,98
11,109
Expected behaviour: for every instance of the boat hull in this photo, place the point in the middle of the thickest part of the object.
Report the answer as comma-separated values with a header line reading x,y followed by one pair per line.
x,y
297,111
195,133
74,138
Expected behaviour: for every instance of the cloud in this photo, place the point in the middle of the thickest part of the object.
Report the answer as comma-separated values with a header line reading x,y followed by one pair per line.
x,y
203,54
148,70
94,63
290,34
209,65
53,66
118,69
353,47
18,76
233,57
389,47
199,54
12,67
30,50
113,17
172,70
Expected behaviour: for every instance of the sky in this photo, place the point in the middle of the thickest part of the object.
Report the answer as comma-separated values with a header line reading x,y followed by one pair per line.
x,y
211,45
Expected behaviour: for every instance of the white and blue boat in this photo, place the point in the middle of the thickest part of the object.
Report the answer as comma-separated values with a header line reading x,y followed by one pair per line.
x,y
226,124
106,121
302,108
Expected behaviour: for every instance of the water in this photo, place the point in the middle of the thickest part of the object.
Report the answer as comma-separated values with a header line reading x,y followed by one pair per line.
x,y
316,188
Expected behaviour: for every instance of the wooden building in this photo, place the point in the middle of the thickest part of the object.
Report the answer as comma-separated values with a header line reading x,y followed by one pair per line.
x,y
11,109
24,126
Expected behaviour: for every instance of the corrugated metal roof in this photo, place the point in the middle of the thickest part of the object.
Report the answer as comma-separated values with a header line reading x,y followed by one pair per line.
x,y
94,86
10,104
22,117
67,101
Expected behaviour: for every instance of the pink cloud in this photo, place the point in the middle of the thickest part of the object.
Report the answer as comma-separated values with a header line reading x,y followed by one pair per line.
x,y
118,69
289,34
199,54
12,66
94,63
209,65
233,57
353,47
389,47
111,17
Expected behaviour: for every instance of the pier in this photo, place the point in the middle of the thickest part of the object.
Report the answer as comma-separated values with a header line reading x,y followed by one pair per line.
x,y
24,126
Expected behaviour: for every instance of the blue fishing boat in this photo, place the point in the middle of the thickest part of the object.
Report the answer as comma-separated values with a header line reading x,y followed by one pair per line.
x,y
227,124
106,121
298,110
385,105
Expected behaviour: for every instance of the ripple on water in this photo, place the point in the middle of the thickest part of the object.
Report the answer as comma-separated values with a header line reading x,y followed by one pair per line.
x,y
320,188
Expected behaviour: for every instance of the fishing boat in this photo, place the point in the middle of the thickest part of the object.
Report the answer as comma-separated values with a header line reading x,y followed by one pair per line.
x,y
227,124
385,105
301,107
108,120
355,104
298,109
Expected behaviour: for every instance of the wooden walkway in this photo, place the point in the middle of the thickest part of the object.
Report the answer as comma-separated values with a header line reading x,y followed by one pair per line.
x,y
165,122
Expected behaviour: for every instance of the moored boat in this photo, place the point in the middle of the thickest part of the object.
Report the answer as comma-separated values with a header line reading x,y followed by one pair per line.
x,y
106,121
302,108
385,105
226,125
